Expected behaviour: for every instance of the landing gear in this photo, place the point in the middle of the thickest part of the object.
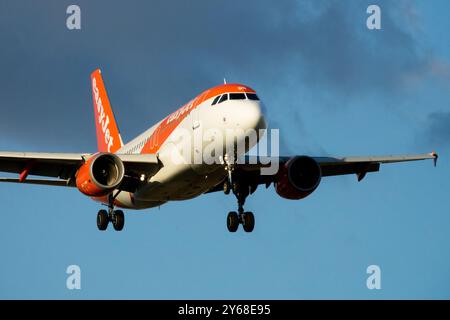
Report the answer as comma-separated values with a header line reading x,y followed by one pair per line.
x,y
248,221
241,190
232,221
116,217
102,220
226,187
229,168
118,220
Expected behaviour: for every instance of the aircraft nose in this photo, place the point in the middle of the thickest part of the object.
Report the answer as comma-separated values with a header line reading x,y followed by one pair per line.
x,y
249,115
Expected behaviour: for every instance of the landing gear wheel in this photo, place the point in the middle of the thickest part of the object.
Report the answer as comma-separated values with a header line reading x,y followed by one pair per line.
x,y
232,221
248,221
102,220
118,220
226,187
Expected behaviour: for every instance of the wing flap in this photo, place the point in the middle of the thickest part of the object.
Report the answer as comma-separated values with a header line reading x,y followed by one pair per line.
x,y
379,159
55,165
349,168
332,166
60,183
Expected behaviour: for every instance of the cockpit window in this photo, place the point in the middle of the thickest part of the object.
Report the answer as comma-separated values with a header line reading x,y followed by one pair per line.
x,y
237,96
215,100
223,98
252,96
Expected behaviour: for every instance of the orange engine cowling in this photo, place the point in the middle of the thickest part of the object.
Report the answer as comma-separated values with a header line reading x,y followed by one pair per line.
x,y
298,178
100,175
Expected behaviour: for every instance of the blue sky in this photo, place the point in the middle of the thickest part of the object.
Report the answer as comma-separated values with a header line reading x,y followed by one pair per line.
x,y
331,86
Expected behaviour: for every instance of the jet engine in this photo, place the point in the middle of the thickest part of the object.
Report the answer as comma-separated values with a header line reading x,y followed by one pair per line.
x,y
298,178
100,175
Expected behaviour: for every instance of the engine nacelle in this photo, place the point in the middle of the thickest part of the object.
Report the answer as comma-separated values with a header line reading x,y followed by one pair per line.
x,y
298,178
100,175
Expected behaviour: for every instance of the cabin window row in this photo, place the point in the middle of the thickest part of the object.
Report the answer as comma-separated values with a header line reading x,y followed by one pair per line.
x,y
138,146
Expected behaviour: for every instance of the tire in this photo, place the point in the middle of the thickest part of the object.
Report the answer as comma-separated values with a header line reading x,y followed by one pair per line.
x,y
102,220
249,222
226,187
118,220
232,221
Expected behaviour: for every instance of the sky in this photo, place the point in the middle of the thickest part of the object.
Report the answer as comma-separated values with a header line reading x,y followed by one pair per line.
x,y
329,84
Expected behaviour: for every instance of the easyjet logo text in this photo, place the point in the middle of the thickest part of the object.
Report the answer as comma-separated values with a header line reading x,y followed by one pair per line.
x,y
103,118
180,112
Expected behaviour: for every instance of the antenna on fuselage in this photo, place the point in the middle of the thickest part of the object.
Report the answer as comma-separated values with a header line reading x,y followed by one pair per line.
x,y
224,81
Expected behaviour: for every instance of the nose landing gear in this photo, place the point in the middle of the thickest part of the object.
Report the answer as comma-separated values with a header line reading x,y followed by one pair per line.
x,y
247,219
241,191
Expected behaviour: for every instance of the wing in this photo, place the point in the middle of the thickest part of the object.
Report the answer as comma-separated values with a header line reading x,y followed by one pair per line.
x,y
60,168
250,168
361,165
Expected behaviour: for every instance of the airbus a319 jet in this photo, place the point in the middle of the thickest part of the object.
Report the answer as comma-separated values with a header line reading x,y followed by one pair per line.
x,y
143,174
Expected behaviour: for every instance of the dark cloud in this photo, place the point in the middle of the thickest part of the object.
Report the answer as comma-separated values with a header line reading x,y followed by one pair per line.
x,y
156,55
437,130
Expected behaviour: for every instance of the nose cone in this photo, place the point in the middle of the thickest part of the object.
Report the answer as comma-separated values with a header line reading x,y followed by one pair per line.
x,y
248,115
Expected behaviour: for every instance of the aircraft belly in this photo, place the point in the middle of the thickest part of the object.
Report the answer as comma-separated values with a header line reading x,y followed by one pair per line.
x,y
181,184
127,200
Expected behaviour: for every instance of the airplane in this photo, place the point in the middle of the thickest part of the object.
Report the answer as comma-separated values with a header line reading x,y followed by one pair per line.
x,y
143,174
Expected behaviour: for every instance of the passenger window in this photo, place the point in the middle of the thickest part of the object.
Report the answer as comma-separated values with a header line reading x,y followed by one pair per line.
x,y
215,100
237,96
252,96
223,98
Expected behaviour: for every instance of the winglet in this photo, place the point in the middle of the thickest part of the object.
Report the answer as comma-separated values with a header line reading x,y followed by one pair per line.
x,y
108,135
435,157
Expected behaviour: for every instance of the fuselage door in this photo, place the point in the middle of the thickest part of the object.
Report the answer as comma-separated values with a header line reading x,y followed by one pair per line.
x,y
195,118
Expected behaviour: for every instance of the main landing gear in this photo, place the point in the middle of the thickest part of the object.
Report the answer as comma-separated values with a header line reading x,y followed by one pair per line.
x,y
241,191
116,217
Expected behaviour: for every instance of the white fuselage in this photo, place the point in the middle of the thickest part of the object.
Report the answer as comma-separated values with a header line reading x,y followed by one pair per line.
x,y
204,129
